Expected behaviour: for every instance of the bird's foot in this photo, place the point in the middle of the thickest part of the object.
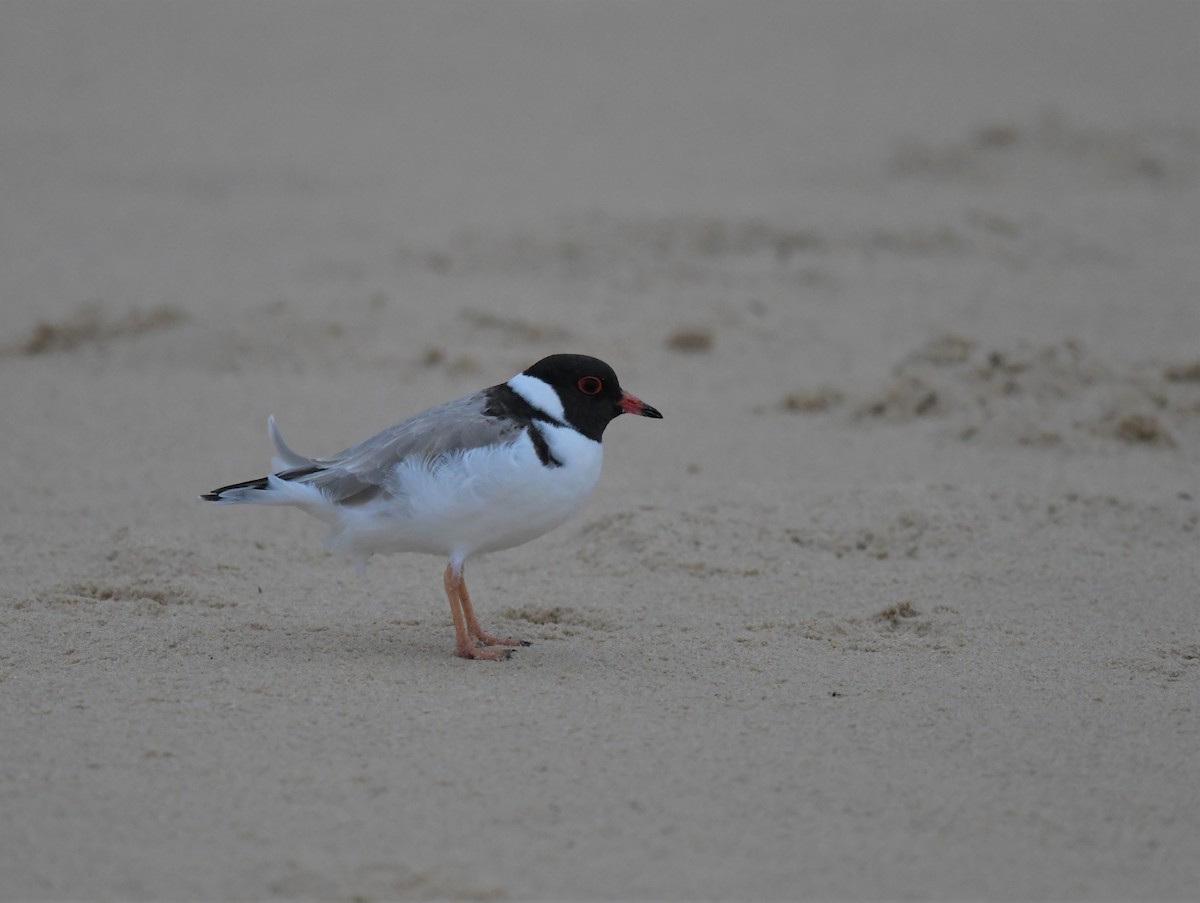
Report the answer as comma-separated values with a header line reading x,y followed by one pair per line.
x,y
488,640
491,653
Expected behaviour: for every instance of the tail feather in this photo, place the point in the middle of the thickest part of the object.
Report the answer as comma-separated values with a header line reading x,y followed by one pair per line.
x,y
287,465
237,491
285,458
277,489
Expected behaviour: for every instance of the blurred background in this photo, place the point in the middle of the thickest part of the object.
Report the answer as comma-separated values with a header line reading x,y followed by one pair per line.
x,y
215,156
899,599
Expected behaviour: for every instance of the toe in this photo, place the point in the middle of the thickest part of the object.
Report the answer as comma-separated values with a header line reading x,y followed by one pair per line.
x,y
487,653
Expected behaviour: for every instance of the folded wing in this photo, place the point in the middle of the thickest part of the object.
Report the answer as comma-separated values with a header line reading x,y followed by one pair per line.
x,y
363,470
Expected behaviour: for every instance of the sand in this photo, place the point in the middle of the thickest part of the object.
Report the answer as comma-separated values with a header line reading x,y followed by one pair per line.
x,y
900,600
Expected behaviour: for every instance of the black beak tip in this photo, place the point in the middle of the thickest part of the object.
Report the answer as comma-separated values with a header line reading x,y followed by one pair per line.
x,y
653,413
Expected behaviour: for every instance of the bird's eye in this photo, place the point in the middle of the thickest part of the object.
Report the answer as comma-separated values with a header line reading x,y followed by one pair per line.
x,y
590,385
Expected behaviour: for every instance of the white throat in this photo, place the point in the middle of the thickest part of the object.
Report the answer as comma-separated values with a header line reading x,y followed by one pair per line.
x,y
539,394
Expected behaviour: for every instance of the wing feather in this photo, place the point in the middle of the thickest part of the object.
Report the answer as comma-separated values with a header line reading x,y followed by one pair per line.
x,y
363,470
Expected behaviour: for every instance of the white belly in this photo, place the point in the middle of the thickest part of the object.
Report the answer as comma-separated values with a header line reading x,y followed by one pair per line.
x,y
481,501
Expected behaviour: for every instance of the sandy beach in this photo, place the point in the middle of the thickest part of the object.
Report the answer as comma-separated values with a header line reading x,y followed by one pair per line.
x,y
900,600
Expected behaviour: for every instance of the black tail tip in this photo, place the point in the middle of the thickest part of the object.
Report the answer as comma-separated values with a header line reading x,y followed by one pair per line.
x,y
218,495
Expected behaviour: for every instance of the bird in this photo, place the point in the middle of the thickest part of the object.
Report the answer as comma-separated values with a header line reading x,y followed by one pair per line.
x,y
486,472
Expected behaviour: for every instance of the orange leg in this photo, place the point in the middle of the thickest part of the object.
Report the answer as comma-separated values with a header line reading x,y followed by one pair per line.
x,y
473,627
464,619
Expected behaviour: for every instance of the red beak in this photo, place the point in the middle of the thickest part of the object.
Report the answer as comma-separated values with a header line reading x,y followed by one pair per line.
x,y
631,404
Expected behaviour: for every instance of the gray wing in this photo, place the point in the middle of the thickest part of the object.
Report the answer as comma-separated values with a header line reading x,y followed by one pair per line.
x,y
361,471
